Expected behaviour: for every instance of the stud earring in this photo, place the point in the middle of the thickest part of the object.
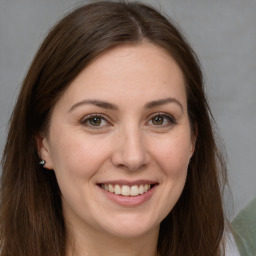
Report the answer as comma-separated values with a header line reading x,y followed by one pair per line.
x,y
42,163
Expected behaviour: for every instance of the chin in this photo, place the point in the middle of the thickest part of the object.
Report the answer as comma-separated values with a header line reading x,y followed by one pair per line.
x,y
131,227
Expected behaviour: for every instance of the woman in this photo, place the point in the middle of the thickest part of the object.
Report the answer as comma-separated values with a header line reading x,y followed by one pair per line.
x,y
110,147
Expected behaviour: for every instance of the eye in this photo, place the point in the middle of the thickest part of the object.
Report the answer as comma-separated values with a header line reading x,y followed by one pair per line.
x,y
95,121
158,120
162,120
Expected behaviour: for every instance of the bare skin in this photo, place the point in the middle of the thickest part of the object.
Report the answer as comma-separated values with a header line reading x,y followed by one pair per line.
x,y
121,127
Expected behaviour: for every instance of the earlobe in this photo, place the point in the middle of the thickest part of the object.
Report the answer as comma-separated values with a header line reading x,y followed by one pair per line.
x,y
43,151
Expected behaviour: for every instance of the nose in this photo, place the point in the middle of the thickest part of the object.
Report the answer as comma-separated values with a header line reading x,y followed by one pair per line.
x,y
130,151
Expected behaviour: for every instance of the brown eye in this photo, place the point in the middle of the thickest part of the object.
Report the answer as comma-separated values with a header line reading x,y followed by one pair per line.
x,y
158,120
95,121
162,120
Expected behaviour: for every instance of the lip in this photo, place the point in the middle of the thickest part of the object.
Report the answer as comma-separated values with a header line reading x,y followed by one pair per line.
x,y
129,201
128,182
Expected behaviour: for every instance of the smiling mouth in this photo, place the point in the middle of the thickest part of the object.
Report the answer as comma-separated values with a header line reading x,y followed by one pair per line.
x,y
126,190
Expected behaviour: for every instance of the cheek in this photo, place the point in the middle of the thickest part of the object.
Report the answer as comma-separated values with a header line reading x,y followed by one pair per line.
x,y
75,154
173,155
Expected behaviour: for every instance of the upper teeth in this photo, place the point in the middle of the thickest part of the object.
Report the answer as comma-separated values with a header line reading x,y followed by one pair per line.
x,y
126,190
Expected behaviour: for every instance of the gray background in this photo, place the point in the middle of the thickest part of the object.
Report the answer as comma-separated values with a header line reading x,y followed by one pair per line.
x,y
222,32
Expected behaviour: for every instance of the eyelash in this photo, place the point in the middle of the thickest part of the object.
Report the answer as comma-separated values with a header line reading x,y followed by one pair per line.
x,y
170,120
85,121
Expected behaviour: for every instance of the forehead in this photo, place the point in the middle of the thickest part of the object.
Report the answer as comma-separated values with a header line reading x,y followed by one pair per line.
x,y
129,73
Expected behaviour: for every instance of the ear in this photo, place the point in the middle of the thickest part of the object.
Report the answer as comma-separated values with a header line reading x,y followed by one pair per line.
x,y
194,133
43,150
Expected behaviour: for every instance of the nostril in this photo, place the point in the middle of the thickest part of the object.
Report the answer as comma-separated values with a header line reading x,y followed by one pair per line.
x,y
130,153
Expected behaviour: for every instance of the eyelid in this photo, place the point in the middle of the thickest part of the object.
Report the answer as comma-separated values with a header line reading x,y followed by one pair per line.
x,y
86,118
164,115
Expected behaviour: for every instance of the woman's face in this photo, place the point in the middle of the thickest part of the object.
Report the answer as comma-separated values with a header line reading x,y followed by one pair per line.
x,y
119,142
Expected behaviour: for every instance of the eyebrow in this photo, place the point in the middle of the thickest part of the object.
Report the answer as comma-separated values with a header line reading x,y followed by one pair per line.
x,y
98,103
107,105
161,102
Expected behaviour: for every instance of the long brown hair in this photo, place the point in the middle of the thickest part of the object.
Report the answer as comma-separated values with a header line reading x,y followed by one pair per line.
x,y
31,222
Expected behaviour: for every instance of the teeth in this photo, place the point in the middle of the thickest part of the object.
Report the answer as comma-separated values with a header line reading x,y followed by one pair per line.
x,y
141,189
134,190
110,188
117,189
126,190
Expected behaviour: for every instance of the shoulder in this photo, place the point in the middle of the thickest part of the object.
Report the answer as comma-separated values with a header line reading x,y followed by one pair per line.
x,y
244,229
230,246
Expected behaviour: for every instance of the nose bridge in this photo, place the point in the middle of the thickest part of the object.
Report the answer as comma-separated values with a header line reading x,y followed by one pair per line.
x,y
131,151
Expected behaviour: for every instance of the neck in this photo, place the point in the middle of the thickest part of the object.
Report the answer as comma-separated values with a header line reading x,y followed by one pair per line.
x,y
86,243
